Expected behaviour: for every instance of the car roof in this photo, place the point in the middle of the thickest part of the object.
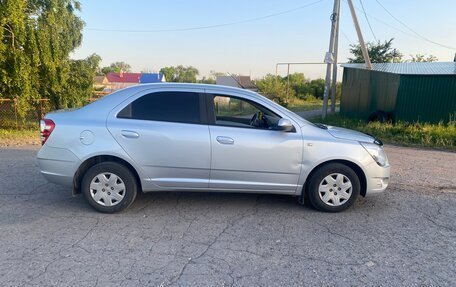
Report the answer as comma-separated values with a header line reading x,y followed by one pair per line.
x,y
108,102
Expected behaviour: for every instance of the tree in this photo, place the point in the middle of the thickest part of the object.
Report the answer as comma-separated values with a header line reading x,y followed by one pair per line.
x,y
180,74
37,38
170,73
275,88
298,83
422,58
212,79
317,88
58,32
116,68
79,87
378,53
18,50
208,80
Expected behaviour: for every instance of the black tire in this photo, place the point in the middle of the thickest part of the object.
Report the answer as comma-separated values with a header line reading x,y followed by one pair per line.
x,y
318,177
378,116
126,177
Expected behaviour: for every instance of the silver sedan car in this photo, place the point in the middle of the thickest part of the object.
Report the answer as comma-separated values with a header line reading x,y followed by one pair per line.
x,y
190,137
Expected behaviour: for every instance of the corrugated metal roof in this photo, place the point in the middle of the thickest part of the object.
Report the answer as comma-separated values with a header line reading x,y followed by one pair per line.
x,y
432,68
151,78
123,77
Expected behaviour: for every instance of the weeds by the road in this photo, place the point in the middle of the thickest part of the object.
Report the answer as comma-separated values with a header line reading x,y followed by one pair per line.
x,y
412,134
18,137
308,104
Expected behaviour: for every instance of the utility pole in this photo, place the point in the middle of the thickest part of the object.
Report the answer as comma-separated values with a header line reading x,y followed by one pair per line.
x,y
329,58
334,77
360,35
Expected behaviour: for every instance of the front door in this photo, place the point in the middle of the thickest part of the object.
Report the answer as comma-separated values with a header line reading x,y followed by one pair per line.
x,y
247,152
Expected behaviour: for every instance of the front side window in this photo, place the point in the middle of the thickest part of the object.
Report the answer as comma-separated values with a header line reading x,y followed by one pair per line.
x,y
181,107
236,112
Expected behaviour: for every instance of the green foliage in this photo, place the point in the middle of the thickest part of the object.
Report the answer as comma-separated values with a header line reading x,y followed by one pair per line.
x,y
378,53
37,38
107,70
79,87
180,74
317,88
17,137
208,80
275,88
415,134
298,83
286,90
422,58
116,68
17,42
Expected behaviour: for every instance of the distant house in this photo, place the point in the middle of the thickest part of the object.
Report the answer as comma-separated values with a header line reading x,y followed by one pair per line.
x,y
100,84
243,82
152,78
117,81
100,80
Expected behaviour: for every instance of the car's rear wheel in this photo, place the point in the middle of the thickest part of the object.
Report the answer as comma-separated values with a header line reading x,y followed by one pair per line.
x,y
109,187
333,187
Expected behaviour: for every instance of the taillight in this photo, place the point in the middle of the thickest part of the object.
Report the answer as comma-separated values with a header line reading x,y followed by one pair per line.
x,y
46,128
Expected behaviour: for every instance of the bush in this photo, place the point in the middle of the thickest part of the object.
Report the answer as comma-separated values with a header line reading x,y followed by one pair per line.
x,y
439,135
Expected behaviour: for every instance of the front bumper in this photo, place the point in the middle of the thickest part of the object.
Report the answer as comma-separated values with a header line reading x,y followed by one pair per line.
x,y
58,165
377,178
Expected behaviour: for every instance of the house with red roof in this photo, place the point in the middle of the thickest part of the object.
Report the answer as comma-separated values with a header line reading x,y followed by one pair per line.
x,y
117,81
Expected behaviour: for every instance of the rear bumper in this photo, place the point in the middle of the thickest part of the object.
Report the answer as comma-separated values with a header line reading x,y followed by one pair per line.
x,y
377,178
58,165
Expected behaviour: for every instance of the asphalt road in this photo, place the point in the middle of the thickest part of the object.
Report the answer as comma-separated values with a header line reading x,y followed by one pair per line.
x,y
406,236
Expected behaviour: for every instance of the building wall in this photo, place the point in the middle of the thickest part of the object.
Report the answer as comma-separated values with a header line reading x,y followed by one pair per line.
x,y
227,81
426,98
365,92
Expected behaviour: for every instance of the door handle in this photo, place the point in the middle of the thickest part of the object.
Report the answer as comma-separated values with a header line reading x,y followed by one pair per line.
x,y
129,134
225,140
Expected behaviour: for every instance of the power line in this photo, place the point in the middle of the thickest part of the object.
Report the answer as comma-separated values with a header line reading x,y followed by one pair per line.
x,y
413,31
386,24
346,37
367,19
397,29
209,26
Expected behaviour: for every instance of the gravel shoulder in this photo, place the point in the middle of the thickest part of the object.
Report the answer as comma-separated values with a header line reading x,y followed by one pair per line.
x,y
403,237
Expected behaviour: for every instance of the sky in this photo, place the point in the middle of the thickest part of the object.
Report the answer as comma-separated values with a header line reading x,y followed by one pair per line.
x,y
251,36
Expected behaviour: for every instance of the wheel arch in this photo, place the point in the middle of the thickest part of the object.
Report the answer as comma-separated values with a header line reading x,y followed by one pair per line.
x,y
356,168
88,163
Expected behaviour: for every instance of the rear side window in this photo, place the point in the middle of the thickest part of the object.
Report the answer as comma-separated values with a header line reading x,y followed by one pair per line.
x,y
181,107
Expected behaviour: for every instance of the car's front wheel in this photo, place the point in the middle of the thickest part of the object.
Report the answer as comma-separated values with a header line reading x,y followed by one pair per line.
x,y
109,187
333,187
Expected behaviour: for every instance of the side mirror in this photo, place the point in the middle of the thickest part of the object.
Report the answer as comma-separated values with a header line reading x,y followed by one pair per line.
x,y
285,125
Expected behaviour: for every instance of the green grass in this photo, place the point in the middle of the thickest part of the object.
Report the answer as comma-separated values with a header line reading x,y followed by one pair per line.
x,y
18,137
408,134
298,105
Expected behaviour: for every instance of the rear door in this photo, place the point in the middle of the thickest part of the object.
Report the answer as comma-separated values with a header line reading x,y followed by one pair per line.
x,y
166,134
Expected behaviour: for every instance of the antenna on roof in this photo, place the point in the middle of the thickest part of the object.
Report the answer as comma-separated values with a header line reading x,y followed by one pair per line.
x,y
235,77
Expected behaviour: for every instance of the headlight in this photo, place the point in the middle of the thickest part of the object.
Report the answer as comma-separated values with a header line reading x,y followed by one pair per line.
x,y
377,153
